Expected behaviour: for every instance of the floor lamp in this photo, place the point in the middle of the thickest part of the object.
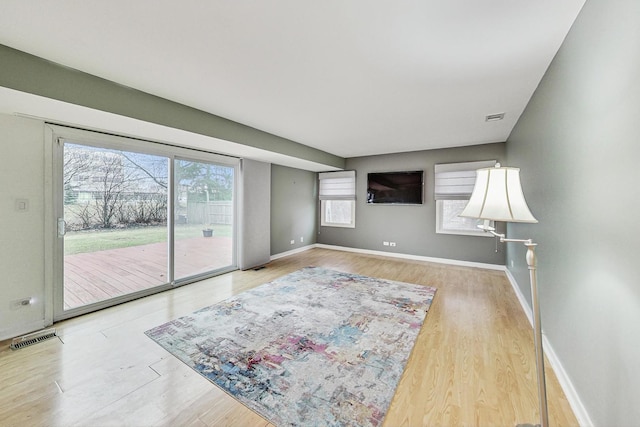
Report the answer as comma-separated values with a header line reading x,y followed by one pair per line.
x,y
497,196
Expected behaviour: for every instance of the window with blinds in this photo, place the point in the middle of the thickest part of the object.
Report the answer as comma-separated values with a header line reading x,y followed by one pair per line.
x,y
453,187
337,196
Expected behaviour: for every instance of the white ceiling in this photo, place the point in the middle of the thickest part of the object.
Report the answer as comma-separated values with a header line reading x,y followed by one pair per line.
x,y
350,77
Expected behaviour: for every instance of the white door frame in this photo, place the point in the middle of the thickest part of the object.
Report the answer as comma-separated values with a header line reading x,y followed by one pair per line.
x,y
54,251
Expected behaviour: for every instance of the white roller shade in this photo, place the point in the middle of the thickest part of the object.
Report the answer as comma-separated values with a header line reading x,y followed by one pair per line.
x,y
337,185
455,181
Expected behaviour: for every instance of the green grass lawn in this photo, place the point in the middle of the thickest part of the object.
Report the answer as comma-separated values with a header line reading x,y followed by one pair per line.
x,y
76,242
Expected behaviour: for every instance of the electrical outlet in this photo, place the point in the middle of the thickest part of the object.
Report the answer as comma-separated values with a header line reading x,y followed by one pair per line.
x,y
293,242
385,243
301,239
392,244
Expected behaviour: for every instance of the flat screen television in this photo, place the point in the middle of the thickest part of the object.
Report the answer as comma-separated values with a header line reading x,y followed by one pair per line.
x,y
400,188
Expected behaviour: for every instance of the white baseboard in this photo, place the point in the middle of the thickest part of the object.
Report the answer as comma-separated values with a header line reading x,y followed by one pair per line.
x,y
415,257
292,252
563,378
523,302
22,329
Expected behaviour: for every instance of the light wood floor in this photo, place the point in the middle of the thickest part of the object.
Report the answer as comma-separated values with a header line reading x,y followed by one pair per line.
x,y
473,363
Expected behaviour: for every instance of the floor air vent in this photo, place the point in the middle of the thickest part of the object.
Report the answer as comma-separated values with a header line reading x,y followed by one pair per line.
x,y
34,338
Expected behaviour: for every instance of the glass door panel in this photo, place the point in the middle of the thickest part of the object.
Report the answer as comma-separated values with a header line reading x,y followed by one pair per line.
x,y
115,214
203,219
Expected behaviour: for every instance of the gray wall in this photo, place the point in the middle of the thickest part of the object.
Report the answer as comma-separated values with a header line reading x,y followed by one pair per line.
x,y
22,247
31,74
294,198
255,208
578,146
413,228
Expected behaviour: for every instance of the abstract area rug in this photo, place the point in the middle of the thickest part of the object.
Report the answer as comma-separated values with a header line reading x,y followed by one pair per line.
x,y
313,348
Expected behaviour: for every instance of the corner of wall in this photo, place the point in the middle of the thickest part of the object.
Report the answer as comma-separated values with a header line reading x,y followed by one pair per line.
x,y
22,238
570,392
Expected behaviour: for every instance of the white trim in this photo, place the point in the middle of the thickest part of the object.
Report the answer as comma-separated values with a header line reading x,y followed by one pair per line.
x,y
521,298
50,227
22,329
137,145
392,255
323,214
567,386
293,252
563,378
414,257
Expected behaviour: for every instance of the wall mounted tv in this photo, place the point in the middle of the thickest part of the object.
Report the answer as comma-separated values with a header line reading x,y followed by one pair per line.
x,y
400,188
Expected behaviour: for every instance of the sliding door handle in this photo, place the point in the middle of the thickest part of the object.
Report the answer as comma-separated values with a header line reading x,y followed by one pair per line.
x,y
62,227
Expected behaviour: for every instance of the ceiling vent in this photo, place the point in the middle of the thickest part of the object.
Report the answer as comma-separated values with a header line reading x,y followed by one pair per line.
x,y
494,117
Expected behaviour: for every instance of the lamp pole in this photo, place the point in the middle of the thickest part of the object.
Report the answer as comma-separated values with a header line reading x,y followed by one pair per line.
x,y
537,332
537,324
497,196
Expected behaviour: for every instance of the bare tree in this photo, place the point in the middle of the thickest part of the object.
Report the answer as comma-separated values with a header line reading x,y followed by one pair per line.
x,y
123,213
85,215
153,175
124,187
158,208
76,164
113,179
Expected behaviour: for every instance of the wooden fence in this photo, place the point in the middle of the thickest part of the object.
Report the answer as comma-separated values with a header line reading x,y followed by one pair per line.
x,y
211,213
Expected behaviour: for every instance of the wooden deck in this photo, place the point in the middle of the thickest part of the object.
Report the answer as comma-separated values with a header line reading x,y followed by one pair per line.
x,y
97,276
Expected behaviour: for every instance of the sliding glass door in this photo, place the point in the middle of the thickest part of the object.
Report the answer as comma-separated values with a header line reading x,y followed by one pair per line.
x,y
204,213
134,218
115,223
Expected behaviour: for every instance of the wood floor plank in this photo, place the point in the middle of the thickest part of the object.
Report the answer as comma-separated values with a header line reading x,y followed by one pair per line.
x,y
473,362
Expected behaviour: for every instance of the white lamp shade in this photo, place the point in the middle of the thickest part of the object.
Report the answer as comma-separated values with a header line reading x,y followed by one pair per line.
x,y
497,196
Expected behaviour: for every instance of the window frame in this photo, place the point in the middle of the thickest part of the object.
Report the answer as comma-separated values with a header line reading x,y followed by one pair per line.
x,y
339,186
441,229
323,214
452,182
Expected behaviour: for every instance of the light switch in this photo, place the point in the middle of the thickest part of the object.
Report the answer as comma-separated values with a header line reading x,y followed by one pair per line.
x,y
22,205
